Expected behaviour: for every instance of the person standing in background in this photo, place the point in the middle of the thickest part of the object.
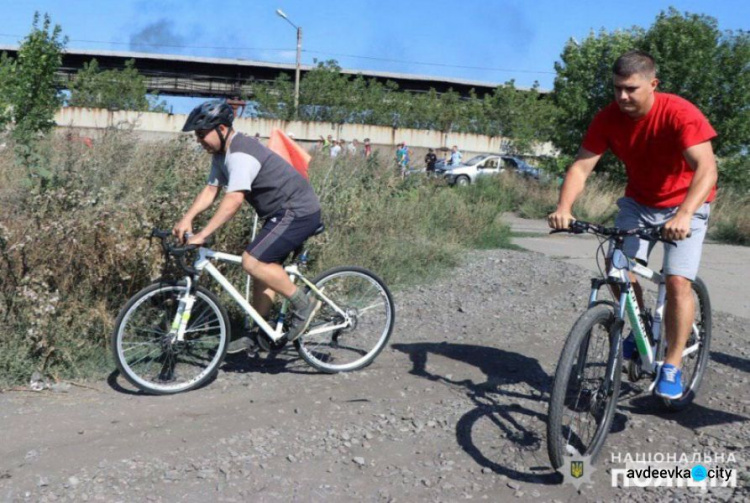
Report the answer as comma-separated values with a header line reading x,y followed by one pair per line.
x,y
368,148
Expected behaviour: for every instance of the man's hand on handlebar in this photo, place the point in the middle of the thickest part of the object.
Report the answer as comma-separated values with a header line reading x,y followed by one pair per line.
x,y
677,229
195,239
181,228
560,220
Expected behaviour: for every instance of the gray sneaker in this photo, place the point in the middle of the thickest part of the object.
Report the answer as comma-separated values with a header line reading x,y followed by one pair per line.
x,y
301,320
244,343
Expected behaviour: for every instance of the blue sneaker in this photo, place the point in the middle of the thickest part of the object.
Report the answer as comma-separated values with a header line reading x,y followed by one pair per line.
x,y
628,346
669,384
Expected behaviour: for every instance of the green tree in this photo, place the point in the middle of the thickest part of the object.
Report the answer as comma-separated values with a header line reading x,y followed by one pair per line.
x,y
324,94
328,95
694,60
274,100
707,67
30,80
7,69
112,89
523,117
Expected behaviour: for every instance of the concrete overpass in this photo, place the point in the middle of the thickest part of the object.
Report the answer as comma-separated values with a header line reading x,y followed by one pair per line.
x,y
177,75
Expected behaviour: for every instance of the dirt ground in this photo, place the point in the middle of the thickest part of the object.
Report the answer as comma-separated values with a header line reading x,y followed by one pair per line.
x,y
454,409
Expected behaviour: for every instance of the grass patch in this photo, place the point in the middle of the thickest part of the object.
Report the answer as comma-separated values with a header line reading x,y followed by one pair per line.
x,y
74,247
73,231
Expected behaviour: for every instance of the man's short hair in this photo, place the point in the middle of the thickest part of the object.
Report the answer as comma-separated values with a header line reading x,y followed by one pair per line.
x,y
633,62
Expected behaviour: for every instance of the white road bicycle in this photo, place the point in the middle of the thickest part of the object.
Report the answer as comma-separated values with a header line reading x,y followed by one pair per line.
x,y
587,380
172,336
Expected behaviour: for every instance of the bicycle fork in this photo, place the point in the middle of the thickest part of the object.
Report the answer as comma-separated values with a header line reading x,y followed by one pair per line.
x,y
182,316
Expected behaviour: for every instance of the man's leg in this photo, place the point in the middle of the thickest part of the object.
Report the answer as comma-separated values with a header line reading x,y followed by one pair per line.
x,y
270,275
679,316
263,297
681,263
273,276
281,234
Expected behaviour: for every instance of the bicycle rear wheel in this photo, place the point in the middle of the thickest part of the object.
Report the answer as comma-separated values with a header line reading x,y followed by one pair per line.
x,y
369,306
147,356
584,399
697,350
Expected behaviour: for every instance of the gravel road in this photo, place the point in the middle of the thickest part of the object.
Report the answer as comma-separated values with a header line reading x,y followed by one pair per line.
x,y
453,410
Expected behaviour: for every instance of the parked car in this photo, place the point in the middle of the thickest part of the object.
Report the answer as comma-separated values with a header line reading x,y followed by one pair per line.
x,y
476,167
521,167
486,164
441,165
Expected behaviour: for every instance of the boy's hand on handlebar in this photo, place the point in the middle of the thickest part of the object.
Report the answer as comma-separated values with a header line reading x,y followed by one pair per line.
x,y
560,220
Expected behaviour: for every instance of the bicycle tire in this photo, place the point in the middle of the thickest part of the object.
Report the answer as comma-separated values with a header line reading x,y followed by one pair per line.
x,y
347,287
147,318
580,337
702,355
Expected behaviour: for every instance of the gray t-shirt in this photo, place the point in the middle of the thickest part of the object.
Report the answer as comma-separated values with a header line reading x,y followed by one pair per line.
x,y
269,182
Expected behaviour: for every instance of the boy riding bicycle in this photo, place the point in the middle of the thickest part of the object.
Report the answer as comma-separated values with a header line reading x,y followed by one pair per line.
x,y
665,143
279,194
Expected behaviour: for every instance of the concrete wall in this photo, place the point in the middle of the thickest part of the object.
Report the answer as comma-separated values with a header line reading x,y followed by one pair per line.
x,y
164,125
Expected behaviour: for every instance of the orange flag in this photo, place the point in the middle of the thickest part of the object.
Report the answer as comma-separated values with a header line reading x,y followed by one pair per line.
x,y
288,149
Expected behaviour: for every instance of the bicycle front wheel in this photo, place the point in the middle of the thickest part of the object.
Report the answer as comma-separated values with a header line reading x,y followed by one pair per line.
x,y
351,330
586,387
149,357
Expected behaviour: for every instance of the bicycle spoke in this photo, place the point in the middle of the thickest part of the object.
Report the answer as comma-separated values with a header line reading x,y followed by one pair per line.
x,y
368,308
147,330
202,329
147,355
203,314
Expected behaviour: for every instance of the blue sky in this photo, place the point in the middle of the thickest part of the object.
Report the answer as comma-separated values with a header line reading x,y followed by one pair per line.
x,y
486,40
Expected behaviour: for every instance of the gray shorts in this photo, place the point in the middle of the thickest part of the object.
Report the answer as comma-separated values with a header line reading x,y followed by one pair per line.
x,y
681,260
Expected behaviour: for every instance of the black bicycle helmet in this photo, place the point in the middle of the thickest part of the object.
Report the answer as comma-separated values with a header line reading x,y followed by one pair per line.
x,y
209,115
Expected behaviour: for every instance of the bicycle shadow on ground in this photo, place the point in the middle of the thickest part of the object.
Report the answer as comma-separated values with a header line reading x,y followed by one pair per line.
x,y
498,423
286,360
628,392
693,417
114,382
741,364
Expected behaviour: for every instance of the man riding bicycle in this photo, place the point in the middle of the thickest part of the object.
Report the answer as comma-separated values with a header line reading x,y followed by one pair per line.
x,y
665,143
279,194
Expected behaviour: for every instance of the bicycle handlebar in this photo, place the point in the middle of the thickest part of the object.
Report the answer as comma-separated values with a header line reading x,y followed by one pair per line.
x,y
176,251
649,234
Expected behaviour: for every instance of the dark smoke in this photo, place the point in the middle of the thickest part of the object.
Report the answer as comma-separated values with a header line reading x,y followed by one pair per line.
x,y
157,37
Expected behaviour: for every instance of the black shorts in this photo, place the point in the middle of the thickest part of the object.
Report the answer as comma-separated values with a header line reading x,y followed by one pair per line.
x,y
281,234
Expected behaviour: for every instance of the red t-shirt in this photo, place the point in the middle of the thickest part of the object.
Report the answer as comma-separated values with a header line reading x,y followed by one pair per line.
x,y
651,147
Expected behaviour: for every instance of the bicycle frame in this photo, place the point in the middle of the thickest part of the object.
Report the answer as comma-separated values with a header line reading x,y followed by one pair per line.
x,y
627,306
203,263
